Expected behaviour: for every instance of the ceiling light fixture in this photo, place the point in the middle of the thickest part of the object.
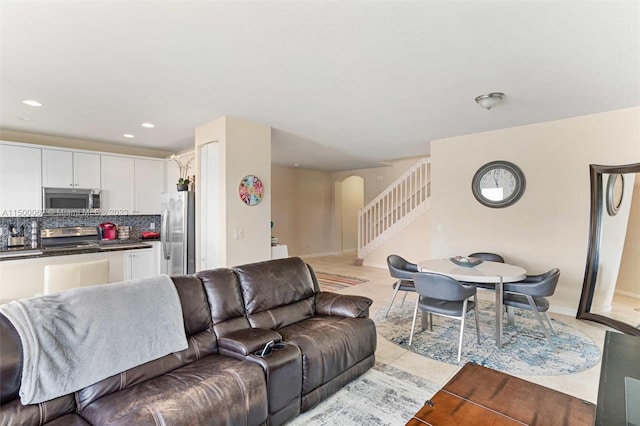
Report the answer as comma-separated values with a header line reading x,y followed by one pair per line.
x,y
490,100
128,135
31,102
148,125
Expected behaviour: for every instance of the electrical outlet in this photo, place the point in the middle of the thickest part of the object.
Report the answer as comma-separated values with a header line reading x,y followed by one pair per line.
x,y
152,225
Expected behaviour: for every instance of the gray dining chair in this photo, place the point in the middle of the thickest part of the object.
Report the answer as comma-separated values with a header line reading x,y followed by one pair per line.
x,y
489,257
531,294
444,296
403,270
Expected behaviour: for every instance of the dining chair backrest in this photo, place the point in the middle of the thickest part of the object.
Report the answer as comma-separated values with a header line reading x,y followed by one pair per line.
x,y
490,257
401,268
441,287
536,285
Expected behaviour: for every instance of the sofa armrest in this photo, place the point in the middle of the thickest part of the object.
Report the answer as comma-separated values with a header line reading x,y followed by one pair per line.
x,y
248,340
343,305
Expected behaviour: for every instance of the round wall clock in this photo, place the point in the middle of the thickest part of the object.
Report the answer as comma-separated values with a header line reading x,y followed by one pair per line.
x,y
615,191
498,184
251,190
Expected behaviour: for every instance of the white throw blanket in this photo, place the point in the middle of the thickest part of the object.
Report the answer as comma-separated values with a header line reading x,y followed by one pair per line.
x,y
78,337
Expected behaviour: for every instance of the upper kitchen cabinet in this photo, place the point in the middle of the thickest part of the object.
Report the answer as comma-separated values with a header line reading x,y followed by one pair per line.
x,y
117,184
131,186
149,184
67,169
20,181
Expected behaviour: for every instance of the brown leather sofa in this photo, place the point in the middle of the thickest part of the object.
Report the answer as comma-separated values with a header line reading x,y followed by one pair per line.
x,y
323,341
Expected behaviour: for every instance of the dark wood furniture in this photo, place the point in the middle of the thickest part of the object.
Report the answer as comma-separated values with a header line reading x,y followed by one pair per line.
x,y
620,359
478,395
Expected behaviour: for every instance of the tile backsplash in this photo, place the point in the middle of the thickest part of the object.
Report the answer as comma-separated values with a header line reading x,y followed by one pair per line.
x,y
138,224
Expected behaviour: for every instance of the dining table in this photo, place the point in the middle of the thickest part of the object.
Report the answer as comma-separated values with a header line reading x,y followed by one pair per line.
x,y
492,273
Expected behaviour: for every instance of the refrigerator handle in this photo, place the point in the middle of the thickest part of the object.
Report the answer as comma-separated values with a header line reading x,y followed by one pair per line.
x,y
165,235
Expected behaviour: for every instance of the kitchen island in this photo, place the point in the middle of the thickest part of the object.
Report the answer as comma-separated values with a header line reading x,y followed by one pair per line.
x,y
22,271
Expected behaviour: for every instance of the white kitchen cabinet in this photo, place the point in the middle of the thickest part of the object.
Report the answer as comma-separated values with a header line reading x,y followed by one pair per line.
x,y
149,184
131,185
20,181
68,169
139,263
117,185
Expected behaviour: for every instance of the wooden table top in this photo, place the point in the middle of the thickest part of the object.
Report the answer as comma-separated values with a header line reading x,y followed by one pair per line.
x,y
478,395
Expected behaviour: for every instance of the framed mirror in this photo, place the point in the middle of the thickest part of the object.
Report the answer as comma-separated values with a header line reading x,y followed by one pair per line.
x,y
611,286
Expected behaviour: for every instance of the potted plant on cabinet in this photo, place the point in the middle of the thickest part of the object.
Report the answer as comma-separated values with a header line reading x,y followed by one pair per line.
x,y
183,179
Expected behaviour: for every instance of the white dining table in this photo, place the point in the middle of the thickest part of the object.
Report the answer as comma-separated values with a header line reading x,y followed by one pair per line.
x,y
494,273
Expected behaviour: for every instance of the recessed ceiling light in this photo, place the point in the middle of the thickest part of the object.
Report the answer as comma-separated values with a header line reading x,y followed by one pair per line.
x,y
148,125
128,135
24,118
31,102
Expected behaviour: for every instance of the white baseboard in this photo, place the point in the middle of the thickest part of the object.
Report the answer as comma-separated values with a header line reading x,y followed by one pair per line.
x,y
628,294
334,253
375,265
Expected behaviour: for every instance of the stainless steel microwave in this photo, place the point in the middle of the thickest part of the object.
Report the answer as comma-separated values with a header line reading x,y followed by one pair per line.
x,y
70,201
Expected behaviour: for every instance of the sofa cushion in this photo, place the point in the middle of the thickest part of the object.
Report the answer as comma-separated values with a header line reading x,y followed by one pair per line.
x,y
225,300
277,292
14,413
344,305
214,390
330,345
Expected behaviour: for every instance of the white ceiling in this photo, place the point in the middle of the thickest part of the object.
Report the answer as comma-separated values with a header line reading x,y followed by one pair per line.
x,y
343,84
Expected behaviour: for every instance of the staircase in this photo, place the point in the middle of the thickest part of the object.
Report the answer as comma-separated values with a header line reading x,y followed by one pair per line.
x,y
395,207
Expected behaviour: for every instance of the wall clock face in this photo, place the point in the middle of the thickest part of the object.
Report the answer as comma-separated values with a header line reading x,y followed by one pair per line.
x,y
615,191
498,184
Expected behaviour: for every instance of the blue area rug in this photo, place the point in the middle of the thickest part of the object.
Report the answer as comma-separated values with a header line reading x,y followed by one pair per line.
x,y
526,350
384,395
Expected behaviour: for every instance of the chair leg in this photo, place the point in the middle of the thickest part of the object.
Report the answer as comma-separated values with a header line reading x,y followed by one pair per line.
x,y
539,318
413,324
477,315
430,321
511,318
395,293
464,315
404,298
553,330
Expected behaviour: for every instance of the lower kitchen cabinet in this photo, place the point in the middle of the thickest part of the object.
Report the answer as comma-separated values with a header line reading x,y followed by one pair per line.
x,y
140,263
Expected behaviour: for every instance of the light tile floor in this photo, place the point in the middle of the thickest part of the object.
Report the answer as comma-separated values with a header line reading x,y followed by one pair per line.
x,y
583,385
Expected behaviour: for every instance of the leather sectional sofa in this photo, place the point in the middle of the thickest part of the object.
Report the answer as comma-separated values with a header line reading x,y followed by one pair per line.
x,y
323,341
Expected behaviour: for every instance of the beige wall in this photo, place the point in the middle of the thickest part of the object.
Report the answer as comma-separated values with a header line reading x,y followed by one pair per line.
x,y
244,149
302,210
352,200
412,243
38,139
379,178
629,275
306,204
548,226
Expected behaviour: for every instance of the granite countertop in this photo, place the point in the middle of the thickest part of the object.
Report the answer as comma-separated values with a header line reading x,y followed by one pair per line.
x,y
17,253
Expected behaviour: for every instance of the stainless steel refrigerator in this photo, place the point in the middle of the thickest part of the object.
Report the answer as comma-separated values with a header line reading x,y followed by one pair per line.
x,y
178,233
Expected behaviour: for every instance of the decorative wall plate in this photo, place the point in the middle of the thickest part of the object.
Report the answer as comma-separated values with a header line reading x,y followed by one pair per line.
x,y
251,190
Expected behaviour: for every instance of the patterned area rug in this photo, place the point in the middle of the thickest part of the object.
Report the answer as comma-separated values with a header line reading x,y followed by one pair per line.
x,y
384,395
526,350
334,282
